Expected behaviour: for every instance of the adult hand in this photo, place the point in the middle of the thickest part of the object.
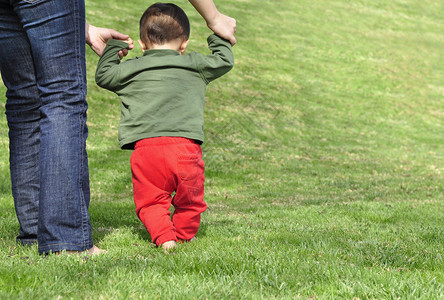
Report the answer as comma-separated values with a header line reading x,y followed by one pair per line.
x,y
220,24
96,38
224,26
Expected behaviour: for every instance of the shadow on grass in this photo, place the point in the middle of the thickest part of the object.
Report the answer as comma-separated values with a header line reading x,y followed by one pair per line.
x,y
107,217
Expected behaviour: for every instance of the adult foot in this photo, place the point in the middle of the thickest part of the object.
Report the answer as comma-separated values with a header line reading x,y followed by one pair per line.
x,y
95,250
92,251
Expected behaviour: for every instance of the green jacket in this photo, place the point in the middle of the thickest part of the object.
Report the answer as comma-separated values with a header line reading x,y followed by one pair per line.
x,y
162,92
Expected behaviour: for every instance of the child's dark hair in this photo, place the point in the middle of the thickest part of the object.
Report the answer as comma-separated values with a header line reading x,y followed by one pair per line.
x,y
164,22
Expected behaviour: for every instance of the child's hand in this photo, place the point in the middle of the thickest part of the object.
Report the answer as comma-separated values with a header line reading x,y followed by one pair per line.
x,y
129,41
124,52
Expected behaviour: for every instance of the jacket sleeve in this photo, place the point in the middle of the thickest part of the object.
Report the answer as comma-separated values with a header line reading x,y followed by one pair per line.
x,y
218,63
108,68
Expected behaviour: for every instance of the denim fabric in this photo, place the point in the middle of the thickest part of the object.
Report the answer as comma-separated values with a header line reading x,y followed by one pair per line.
x,y
42,62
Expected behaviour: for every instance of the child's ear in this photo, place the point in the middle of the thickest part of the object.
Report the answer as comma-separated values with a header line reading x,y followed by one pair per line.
x,y
183,46
142,45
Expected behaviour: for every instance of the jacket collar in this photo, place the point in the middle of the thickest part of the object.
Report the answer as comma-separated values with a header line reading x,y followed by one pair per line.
x,y
160,52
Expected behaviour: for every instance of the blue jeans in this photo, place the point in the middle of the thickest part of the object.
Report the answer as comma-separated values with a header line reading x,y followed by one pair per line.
x,y
42,63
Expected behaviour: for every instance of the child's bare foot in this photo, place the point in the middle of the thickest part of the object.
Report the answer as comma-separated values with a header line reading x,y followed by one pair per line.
x,y
193,239
169,245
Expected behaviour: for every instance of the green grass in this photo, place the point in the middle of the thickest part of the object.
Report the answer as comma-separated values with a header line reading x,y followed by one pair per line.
x,y
324,165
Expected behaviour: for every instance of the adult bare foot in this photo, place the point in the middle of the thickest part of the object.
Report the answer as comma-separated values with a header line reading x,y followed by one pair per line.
x,y
92,251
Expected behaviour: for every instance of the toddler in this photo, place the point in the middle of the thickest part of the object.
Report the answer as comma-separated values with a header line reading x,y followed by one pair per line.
x,y
162,118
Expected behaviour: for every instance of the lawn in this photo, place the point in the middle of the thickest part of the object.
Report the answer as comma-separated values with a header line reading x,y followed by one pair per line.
x,y
324,165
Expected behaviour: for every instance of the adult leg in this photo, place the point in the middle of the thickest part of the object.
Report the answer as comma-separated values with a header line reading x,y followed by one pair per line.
x,y
23,115
56,32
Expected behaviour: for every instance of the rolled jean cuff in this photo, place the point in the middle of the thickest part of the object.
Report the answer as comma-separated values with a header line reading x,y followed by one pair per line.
x,y
27,242
64,246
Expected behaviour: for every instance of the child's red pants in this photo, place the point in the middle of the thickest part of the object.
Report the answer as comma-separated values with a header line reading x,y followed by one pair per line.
x,y
161,166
